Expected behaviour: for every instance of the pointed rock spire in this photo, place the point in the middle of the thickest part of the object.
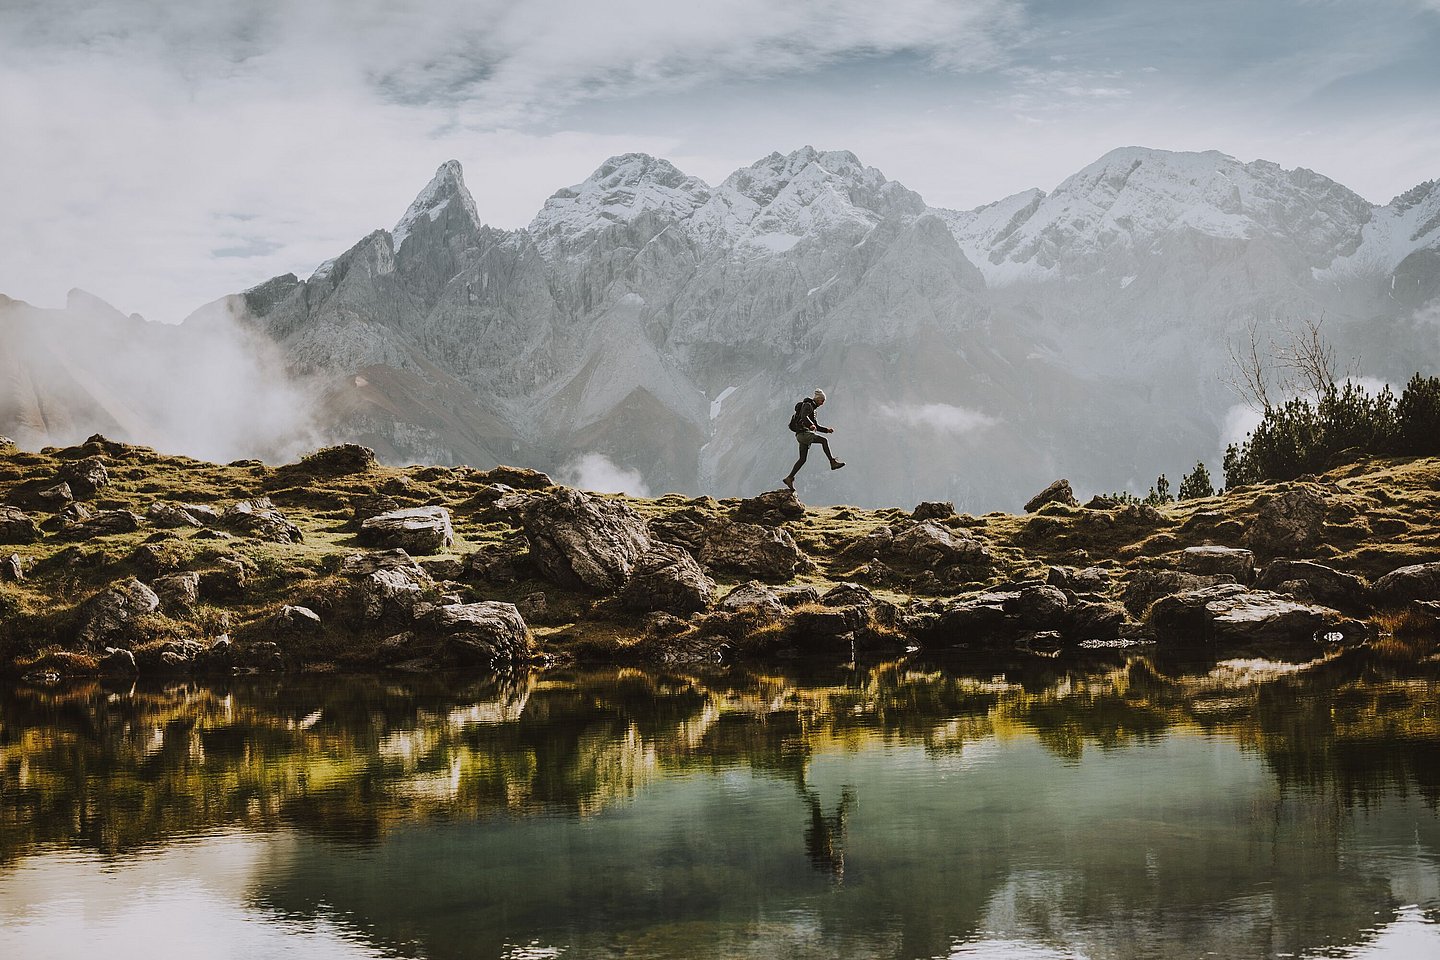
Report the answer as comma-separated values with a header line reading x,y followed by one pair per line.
x,y
447,186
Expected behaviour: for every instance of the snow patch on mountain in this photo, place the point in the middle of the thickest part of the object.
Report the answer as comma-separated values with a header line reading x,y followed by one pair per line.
x,y
1406,224
623,188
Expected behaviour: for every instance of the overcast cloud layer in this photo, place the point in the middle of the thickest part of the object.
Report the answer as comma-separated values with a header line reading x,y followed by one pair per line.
x,y
160,154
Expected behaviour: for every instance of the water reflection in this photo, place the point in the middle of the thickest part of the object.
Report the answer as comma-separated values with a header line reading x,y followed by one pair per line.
x,y
1120,807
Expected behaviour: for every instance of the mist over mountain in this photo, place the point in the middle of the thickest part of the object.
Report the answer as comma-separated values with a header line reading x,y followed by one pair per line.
x,y
649,329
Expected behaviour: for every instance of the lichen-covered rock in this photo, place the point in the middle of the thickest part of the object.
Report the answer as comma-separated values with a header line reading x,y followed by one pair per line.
x,y
931,545
796,596
1147,586
372,505
103,524
12,569
388,583
258,517
55,498
518,477
340,459
163,513
1038,606
583,541
1419,581
772,508
1288,522
1230,613
297,619
85,477
752,550
1323,584
16,526
416,530
179,593
933,510
1057,492
848,595
1211,559
754,596
226,583
490,633
667,578
108,618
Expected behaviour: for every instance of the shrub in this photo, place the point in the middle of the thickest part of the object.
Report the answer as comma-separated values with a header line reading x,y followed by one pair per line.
x,y
1197,484
1418,413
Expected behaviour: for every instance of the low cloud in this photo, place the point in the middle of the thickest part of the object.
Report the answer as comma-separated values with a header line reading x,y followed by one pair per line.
x,y
599,474
941,417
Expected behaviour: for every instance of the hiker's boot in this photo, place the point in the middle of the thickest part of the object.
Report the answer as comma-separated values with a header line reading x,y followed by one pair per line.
x,y
789,482
836,464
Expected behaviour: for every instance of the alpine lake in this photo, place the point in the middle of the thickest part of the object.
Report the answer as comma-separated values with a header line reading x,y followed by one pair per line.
x,y
1110,804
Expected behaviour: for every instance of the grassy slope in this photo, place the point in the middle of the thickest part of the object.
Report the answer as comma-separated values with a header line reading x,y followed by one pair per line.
x,y
1380,515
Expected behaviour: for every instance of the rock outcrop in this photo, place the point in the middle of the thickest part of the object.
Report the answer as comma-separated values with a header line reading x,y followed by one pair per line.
x,y
752,550
667,578
580,540
1057,492
416,530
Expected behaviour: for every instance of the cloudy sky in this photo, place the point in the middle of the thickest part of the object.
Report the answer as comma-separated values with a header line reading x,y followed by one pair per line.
x,y
161,153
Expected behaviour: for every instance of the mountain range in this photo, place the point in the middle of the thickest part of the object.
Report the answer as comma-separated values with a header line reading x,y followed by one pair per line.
x,y
653,331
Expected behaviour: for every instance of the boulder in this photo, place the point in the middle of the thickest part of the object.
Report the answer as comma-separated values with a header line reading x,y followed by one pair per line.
x,y
107,618
933,510
1333,588
162,513
340,459
1038,606
755,596
1147,586
258,517
848,595
797,596
870,547
118,662
372,505
103,524
518,477
1099,620
685,527
179,593
489,633
85,477
752,550
1289,522
388,583
583,541
1090,580
12,569
7,445
1419,581
978,619
299,620
1211,559
667,578
1057,492
416,530
829,629
55,498
930,545
1230,613
16,526
226,583
771,509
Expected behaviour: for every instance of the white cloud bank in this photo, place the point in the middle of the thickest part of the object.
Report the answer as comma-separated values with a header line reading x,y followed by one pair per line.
x,y
597,473
941,417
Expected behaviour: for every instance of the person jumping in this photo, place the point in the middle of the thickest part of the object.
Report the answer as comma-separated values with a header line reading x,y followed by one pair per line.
x,y
807,431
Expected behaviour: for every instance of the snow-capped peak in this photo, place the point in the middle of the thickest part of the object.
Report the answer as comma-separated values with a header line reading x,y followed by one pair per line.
x,y
779,199
447,186
621,189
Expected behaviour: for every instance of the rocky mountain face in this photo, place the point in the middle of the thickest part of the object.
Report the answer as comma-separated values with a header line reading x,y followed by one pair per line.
x,y
668,326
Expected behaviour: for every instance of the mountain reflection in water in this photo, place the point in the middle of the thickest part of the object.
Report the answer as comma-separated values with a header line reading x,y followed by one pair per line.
x,y
1118,807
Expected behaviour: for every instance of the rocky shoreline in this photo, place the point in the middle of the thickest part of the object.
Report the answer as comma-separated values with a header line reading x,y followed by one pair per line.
x,y
118,560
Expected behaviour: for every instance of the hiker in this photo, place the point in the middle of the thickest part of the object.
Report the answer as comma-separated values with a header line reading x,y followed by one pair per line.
x,y
807,431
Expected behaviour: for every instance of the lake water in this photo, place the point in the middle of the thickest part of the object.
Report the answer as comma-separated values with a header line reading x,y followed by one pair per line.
x,y
1110,808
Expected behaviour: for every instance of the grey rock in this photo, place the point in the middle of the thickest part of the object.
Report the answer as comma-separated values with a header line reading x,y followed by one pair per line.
x,y
372,505
55,498
583,541
104,523
118,662
931,545
1147,586
933,510
162,513
85,477
258,518
416,530
1418,581
1323,584
1098,620
772,508
1289,522
12,569
388,583
1233,614
299,619
1211,559
667,578
752,550
179,593
831,629
1039,606
797,596
488,633
1057,492
16,526
228,582
342,459
848,595
754,596
108,617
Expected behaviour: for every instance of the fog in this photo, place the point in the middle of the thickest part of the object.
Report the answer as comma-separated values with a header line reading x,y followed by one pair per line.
x,y
600,474
210,388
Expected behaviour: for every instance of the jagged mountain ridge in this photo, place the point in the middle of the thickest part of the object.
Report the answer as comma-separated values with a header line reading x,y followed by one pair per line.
x,y
970,355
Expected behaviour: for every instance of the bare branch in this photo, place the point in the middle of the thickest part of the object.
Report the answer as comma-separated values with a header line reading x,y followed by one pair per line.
x,y
1248,364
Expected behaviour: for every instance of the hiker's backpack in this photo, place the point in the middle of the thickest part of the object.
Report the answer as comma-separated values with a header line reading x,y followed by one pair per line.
x,y
799,423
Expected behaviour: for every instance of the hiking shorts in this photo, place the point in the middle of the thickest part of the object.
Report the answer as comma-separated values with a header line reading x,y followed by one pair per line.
x,y
807,437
